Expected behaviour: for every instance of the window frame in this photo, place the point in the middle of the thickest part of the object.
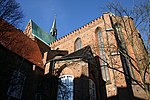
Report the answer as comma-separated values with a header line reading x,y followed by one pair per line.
x,y
63,87
16,86
77,44
92,90
103,63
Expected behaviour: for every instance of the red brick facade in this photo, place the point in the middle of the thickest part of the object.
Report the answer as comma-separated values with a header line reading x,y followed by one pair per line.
x,y
117,45
118,83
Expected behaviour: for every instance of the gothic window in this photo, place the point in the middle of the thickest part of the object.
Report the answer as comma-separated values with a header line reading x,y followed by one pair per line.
x,y
92,90
77,44
38,96
119,32
16,85
65,88
124,48
104,66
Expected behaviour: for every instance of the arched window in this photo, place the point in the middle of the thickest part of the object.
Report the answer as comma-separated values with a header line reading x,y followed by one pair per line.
x,y
65,88
101,47
119,32
77,44
123,46
92,90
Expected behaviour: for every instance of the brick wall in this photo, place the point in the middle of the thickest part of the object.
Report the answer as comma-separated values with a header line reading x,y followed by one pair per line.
x,y
88,36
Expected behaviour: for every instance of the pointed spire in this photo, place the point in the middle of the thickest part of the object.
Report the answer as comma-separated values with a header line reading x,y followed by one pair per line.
x,y
53,30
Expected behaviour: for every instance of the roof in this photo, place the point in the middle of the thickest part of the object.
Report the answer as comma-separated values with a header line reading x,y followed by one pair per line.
x,y
41,35
83,53
15,40
88,25
54,53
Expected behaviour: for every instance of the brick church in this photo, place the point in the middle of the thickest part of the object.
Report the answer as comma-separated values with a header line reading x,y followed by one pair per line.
x,y
99,61
96,66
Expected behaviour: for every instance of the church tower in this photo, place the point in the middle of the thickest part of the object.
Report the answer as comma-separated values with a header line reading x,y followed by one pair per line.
x,y
53,30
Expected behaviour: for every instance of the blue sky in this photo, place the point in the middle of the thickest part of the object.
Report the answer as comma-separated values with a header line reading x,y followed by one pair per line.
x,y
70,14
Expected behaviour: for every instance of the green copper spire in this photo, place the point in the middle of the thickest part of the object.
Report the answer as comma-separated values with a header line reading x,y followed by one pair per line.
x,y
53,30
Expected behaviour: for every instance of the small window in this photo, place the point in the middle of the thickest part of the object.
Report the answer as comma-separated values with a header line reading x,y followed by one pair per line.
x,y
92,90
65,88
77,44
38,96
16,85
